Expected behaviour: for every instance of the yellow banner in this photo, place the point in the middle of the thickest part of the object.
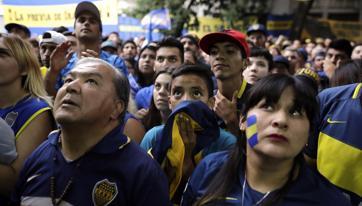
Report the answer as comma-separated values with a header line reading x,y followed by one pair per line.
x,y
347,29
351,30
209,24
279,25
56,15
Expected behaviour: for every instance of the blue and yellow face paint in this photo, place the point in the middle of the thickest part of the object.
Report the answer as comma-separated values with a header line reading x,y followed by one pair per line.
x,y
251,131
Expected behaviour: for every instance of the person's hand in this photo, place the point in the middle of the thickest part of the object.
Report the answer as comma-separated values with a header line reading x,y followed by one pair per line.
x,y
89,53
187,133
225,108
140,114
60,57
329,67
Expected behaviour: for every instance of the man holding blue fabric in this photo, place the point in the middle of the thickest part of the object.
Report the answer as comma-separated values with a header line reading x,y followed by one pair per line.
x,y
191,131
89,161
88,31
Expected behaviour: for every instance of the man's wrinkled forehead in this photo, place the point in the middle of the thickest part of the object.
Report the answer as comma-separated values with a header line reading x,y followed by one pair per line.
x,y
90,68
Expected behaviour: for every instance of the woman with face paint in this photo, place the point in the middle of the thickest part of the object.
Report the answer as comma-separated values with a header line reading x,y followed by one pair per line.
x,y
266,167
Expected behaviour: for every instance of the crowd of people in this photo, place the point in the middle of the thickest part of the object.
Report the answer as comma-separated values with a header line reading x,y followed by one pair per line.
x,y
228,119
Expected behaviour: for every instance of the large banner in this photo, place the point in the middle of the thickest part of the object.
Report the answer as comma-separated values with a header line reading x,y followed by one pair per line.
x,y
209,24
351,30
40,15
279,25
130,27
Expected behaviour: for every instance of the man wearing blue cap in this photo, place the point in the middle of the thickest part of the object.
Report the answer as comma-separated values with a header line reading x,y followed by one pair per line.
x,y
257,33
18,29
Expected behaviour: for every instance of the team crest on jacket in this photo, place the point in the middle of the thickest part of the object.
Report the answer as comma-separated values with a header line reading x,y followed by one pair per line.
x,y
104,192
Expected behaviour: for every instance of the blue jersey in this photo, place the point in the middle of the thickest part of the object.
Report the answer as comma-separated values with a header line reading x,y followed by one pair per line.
x,y
19,116
114,60
337,143
307,189
114,172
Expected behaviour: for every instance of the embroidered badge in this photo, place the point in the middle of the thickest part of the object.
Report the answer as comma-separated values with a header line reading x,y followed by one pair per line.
x,y
11,118
104,192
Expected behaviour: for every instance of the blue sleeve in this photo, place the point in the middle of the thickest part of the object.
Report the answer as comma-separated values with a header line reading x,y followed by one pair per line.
x,y
119,64
202,176
150,137
153,189
226,140
143,98
135,87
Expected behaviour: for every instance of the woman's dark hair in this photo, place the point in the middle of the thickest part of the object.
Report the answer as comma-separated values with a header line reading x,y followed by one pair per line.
x,y
269,88
142,81
153,117
349,72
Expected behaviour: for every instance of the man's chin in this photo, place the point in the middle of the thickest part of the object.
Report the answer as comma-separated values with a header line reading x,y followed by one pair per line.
x,y
87,38
64,119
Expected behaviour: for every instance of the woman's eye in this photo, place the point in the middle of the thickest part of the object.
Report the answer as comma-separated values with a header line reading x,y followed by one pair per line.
x,y
157,87
267,107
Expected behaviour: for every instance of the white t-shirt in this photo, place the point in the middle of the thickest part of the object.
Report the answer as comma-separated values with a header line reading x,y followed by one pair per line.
x,y
7,144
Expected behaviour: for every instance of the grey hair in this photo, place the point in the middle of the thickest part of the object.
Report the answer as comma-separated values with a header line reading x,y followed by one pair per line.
x,y
120,81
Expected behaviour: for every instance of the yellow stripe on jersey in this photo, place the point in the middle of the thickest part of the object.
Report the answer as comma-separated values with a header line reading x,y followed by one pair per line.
x,y
31,119
333,153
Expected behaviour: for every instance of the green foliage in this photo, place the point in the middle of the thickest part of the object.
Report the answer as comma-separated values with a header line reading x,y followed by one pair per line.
x,y
183,13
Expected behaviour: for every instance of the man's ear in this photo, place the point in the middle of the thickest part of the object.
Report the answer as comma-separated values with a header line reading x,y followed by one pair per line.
x,y
119,108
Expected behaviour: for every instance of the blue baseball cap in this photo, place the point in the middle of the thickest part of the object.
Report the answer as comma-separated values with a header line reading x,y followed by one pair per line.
x,y
281,59
257,27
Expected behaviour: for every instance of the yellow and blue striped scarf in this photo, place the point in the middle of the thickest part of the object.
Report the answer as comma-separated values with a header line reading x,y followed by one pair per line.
x,y
170,145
